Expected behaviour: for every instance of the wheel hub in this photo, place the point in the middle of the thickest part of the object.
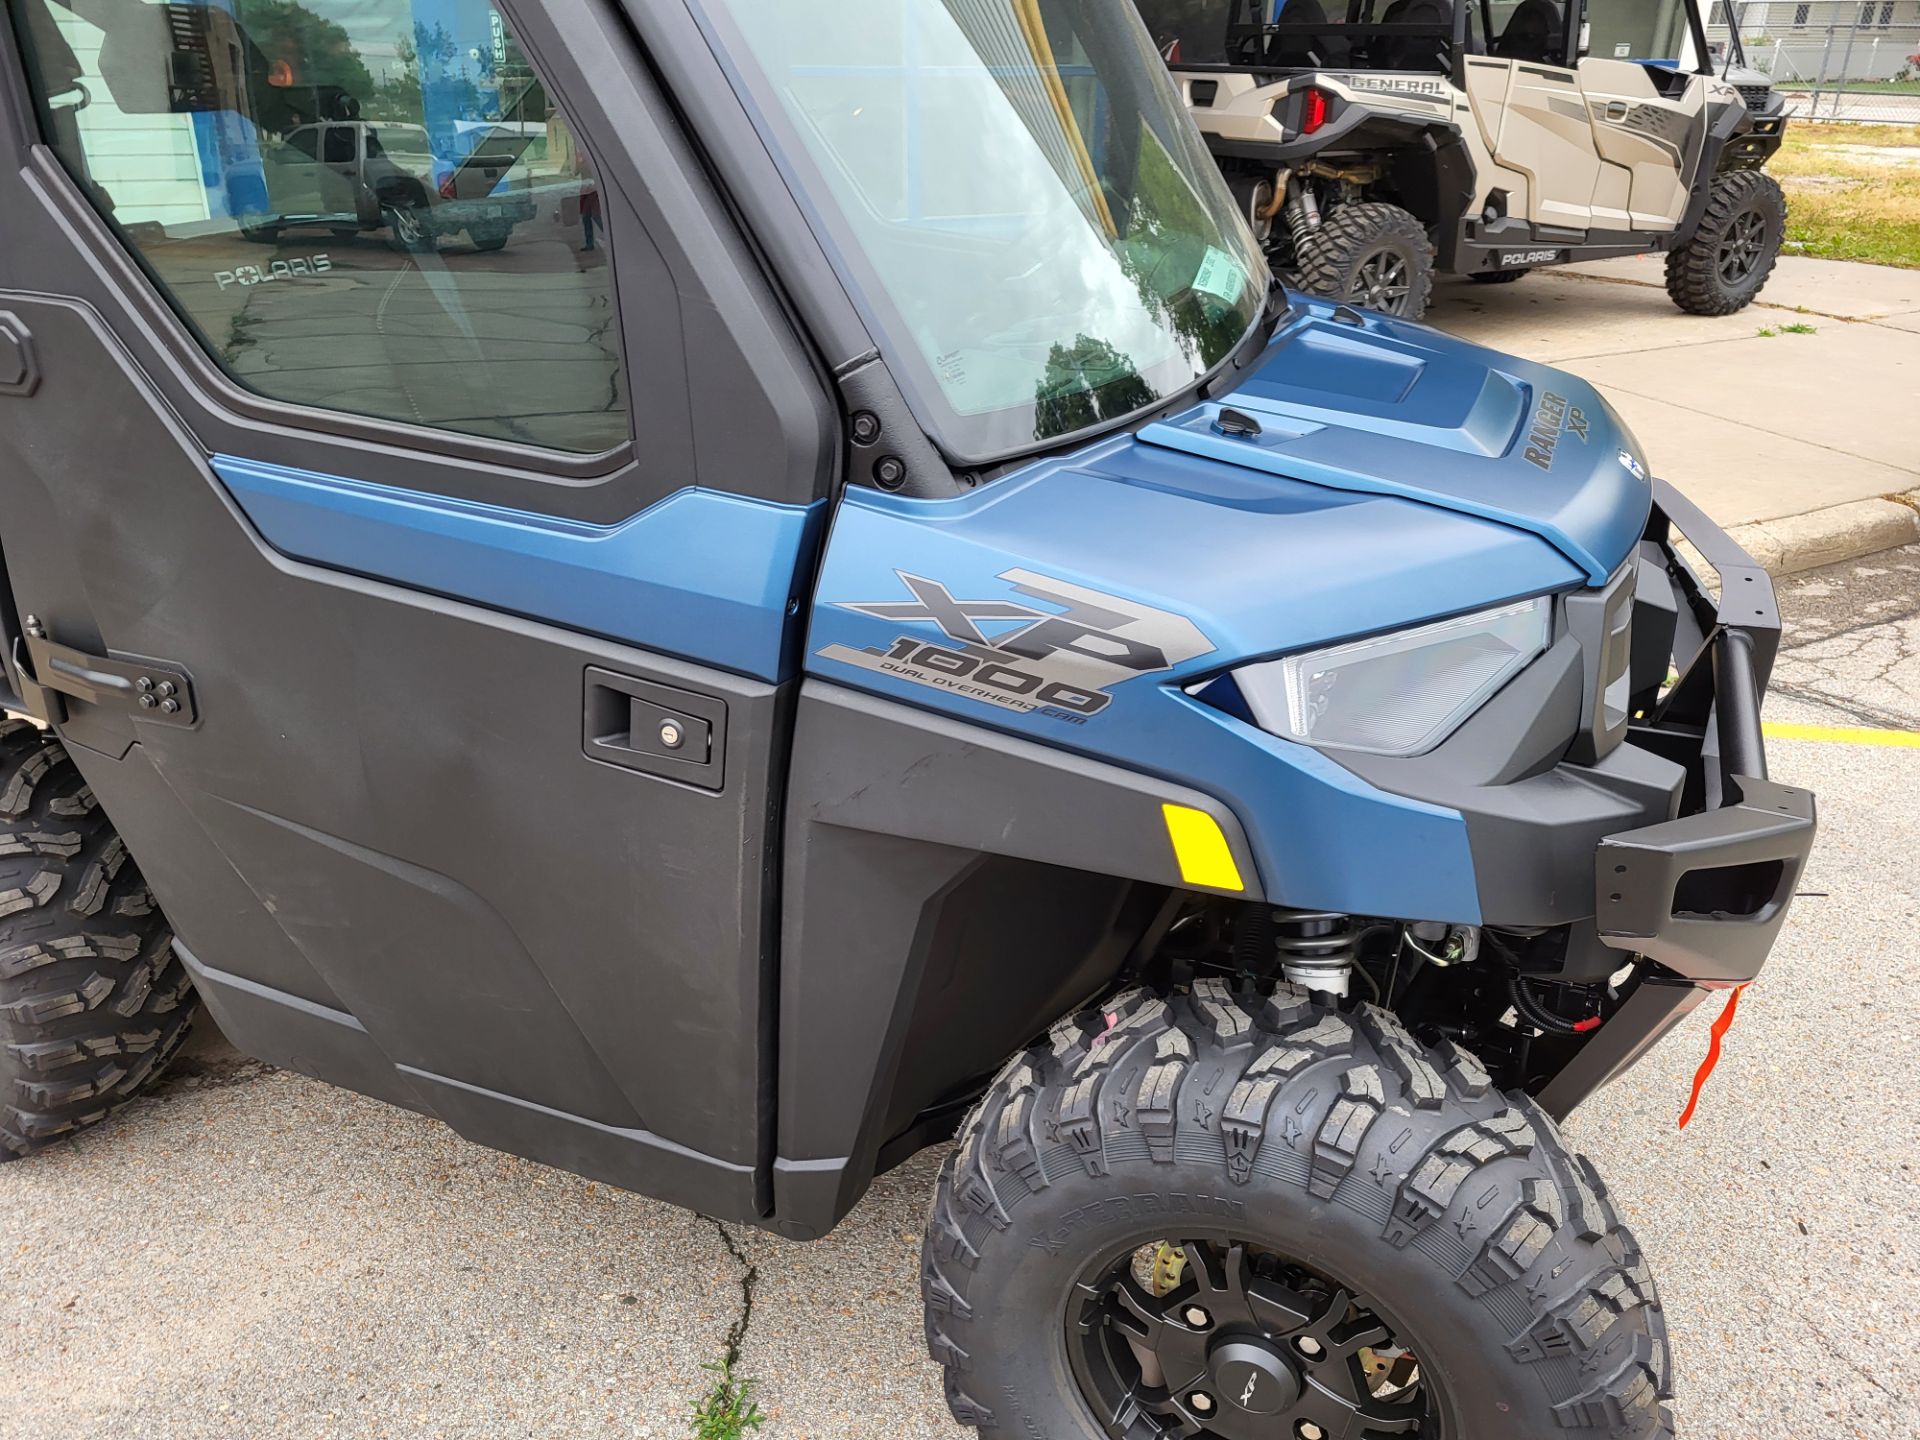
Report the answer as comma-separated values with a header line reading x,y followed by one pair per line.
x,y
1252,1375
1235,1344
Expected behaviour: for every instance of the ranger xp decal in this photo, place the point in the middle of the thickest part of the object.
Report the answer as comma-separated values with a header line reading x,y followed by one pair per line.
x,y
1060,662
1552,418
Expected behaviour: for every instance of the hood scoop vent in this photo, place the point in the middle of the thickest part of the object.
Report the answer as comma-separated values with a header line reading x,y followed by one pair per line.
x,y
1387,408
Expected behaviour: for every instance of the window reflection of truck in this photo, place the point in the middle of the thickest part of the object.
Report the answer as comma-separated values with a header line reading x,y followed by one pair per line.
x,y
355,175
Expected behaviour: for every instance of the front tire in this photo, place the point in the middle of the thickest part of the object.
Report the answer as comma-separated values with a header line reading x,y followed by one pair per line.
x,y
1279,1148
1373,255
488,238
1733,252
93,1001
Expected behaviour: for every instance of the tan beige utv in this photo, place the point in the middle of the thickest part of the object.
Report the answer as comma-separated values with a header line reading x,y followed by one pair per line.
x,y
1377,143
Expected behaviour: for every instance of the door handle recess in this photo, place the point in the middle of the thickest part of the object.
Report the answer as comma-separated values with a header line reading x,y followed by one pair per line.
x,y
655,729
1616,109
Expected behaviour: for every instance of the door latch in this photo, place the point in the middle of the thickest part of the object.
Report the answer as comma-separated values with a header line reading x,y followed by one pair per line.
x,y
657,729
49,674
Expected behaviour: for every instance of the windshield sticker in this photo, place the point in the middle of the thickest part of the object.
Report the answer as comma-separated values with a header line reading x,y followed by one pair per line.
x,y
1059,662
1221,276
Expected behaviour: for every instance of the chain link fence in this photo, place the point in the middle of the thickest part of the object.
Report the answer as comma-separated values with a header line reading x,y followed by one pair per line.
x,y
1855,60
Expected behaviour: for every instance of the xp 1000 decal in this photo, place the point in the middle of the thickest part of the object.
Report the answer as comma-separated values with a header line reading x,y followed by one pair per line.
x,y
1059,661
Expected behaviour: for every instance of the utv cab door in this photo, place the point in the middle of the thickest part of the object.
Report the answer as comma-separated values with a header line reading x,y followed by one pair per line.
x,y
1527,100
1649,124
424,621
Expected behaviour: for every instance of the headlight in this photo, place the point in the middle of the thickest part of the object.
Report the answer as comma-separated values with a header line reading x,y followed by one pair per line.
x,y
1397,694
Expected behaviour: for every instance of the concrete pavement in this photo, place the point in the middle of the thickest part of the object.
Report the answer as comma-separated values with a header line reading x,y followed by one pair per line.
x,y
1797,439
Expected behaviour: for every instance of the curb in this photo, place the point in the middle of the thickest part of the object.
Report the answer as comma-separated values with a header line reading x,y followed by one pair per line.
x,y
1827,536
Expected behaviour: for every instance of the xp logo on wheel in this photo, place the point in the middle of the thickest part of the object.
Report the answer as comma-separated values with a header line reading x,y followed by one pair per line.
x,y
1059,657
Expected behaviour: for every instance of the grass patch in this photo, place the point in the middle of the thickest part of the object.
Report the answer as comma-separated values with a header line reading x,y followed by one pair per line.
x,y
1855,87
1846,200
727,1411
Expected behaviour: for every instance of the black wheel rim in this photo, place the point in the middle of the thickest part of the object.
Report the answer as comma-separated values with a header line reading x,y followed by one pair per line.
x,y
1247,1345
1742,246
1383,280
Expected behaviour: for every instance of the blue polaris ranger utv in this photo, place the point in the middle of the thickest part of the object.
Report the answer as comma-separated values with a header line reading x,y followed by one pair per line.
x,y
865,617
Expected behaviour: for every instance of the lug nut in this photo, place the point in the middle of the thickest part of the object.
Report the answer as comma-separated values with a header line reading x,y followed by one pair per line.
x,y
1309,1347
1307,1430
1200,1402
671,735
1197,1318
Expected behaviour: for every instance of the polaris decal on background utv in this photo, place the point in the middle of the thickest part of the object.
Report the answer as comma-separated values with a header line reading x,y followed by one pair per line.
x,y
1060,663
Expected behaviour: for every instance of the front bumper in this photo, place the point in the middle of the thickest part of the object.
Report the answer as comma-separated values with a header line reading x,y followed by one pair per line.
x,y
1703,896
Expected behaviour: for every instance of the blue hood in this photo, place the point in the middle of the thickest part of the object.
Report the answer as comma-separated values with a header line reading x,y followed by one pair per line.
x,y
1379,406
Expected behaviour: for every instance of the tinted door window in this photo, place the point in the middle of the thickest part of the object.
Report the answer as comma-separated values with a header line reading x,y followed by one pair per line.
x,y
445,267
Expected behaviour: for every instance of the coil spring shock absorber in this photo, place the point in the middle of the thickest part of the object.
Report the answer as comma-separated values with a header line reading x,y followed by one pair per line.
x,y
1302,214
1317,948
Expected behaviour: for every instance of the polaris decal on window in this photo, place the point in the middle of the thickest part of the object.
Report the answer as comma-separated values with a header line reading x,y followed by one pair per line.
x,y
275,270
1060,661
1553,418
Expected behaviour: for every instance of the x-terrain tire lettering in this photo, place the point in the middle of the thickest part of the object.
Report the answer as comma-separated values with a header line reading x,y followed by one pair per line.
x,y
93,1001
1338,1140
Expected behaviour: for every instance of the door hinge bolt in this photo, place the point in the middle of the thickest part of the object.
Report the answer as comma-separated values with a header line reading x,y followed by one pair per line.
x,y
144,683
147,702
170,707
35,629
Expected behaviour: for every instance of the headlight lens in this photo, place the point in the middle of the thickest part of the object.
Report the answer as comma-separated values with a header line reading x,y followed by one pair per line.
x,y
1396,694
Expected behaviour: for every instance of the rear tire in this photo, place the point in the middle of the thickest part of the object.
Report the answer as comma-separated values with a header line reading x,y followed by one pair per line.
x,y
409,230
488,238
1733,252
1393,1171
1373,255
1497,277
93,1001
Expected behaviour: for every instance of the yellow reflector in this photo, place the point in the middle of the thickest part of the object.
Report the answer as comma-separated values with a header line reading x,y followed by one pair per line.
x,y
1201,849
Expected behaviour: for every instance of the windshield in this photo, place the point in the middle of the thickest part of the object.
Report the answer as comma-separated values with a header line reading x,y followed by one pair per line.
x,y
1038,236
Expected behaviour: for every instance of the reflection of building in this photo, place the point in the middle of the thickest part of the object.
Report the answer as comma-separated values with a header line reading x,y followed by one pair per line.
x,y
180,100
146,160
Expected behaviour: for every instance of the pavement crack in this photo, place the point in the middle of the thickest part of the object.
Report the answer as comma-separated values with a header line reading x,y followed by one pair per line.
x,y
1869,715
749,1278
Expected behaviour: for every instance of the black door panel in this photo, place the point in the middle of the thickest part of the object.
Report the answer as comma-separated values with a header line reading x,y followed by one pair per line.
x,y
386,808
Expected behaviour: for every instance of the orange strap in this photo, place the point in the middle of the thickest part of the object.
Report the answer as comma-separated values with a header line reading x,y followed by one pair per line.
x,y
1714,1037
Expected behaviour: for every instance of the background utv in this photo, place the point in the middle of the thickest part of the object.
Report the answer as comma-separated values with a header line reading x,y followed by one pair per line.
x,y
915,635
1375,143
